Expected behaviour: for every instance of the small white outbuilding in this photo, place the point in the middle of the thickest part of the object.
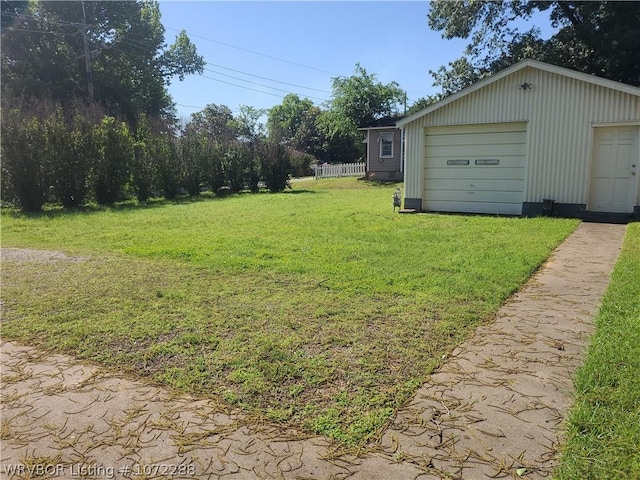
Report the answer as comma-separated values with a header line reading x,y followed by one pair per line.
x,y
532,139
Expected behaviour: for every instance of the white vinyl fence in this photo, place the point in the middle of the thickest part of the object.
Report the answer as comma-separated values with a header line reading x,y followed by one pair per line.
x,y
328,170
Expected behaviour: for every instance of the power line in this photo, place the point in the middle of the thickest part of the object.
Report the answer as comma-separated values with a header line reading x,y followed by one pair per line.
x,y
254,52
269,79
242,86
259,84
133,42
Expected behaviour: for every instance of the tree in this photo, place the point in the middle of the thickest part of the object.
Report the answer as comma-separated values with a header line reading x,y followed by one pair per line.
x,y
248,125
361,98
599,37
423,102
169,164
44,55
216,121
357,100
285,120
12,9
310,138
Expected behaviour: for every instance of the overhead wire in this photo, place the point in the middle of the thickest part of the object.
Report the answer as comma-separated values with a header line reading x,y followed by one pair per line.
x,y
140,45
254,52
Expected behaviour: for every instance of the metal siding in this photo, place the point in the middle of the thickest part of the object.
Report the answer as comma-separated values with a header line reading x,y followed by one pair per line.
x,y
638,166
559,110
414,160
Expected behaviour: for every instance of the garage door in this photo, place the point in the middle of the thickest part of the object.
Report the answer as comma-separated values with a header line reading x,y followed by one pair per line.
x,y
475,168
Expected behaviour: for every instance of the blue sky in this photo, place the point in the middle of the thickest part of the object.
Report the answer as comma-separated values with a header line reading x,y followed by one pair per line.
x,y
303,44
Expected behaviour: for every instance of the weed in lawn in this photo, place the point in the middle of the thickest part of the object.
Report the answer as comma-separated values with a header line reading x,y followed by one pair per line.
x,y
320,309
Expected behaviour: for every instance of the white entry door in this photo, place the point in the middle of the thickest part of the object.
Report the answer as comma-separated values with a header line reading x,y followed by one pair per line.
x,y
614,169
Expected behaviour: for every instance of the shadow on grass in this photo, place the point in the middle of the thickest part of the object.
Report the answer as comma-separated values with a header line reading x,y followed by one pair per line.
x,y
382,183
56,210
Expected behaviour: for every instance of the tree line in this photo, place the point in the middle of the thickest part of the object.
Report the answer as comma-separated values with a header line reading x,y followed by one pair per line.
x,y
77,154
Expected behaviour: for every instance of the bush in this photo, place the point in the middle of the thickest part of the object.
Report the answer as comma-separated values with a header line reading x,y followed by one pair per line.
x,y
112,169
169,165
25,170
253,173
145,168
72,150
233,168
276,166
195,149
241,167
301,163
213,169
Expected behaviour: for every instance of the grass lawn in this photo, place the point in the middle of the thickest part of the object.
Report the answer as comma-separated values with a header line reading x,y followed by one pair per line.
x,y
318,307
604,424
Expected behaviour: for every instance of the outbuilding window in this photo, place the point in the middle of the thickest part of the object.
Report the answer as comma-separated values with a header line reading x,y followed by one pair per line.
x,y
386,145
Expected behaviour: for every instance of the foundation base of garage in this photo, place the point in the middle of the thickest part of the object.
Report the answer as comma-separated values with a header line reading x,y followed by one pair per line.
x,y
534,209
552,209
571,210
413,204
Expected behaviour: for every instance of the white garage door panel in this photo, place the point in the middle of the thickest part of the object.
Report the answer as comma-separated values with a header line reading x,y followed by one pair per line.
x,y
456,172
473,196
477,128
503,161
475,188
477,207
476,151
438,140
476,184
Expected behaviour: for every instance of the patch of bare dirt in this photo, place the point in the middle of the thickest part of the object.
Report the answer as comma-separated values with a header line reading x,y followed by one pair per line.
x,y
30,255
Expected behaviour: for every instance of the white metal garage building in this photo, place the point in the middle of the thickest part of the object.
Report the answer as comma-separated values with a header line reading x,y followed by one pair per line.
x,y
531,138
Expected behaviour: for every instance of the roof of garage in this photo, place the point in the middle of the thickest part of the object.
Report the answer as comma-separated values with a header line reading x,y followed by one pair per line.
x,y
603,82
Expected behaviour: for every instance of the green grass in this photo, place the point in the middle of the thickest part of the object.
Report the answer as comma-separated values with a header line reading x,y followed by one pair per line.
x,y
604,424
317,307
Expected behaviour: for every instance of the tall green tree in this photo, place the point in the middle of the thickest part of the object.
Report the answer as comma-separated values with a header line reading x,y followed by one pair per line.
x,y
113,52
248,124
597,37
310,138
285,120
361,98
294,123
357,100
216,121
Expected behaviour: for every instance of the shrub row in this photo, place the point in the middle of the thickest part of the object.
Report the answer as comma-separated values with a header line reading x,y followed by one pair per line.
x,y
74,155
